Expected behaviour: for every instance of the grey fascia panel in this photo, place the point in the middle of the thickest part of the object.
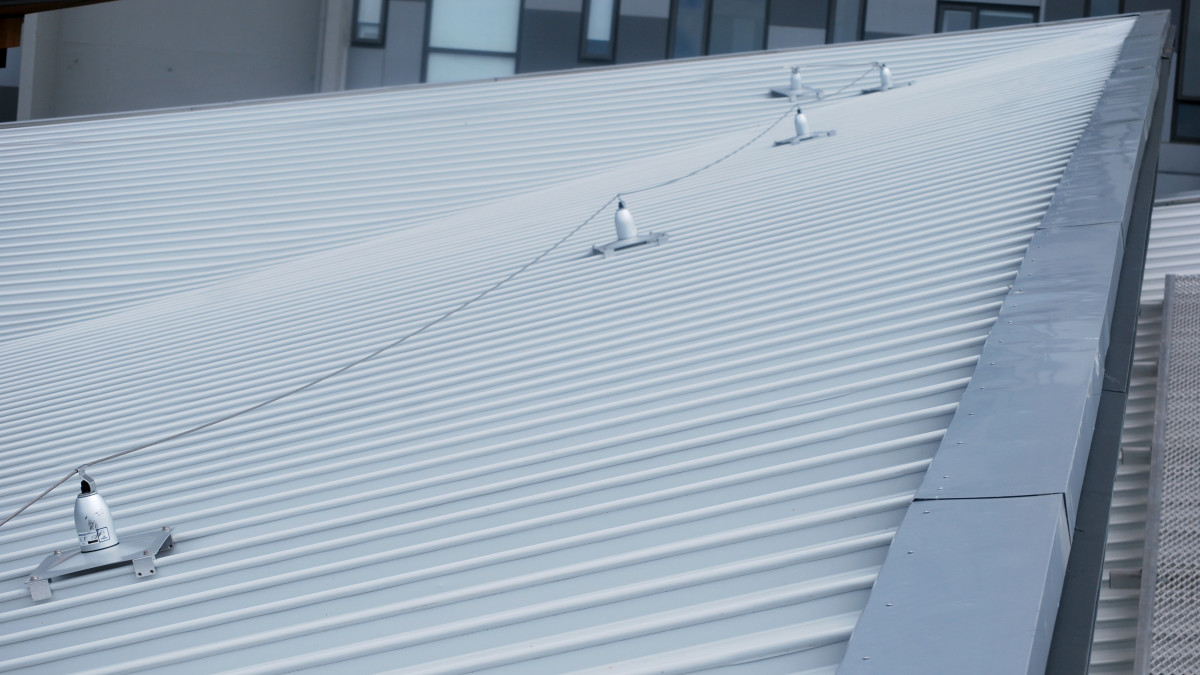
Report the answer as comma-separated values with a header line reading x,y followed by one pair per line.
x,y
1024,425
1047,392
1023,429
1041,371
999,564
1097,186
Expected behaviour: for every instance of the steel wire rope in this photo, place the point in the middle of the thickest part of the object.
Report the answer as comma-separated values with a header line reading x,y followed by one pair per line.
x,y
395,343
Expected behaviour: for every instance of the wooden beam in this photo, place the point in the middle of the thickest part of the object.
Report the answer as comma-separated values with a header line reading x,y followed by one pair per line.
x,y
10,32
19,8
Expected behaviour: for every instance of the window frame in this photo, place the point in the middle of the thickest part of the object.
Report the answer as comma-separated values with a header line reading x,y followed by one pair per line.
x,y
611,54
1180,97
706,41
673,20
974,7
1087,8
381,41
859,28
427,49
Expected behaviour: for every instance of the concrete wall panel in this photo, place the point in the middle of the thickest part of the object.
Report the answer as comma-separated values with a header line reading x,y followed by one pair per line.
x,y
136,54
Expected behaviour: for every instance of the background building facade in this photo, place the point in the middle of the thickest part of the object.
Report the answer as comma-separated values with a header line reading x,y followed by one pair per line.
x,y
140,54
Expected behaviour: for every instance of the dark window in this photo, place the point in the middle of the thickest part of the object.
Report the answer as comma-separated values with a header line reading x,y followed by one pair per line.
x,y
689,27
1186,120
701,27
954,19
737,26
370,17
1103,7
599,28
798,23
954,16
848,19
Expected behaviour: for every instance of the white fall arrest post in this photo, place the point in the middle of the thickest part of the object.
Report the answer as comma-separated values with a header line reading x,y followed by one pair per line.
x,y
796,88
804,130
627,233
93,519
886,83
99,546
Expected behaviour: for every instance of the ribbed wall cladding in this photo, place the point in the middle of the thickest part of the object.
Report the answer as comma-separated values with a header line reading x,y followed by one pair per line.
x,y
1174,249
682,457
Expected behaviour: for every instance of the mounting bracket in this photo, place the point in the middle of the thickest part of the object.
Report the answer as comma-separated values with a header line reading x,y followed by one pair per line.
x,y
614,247
139,549
796,139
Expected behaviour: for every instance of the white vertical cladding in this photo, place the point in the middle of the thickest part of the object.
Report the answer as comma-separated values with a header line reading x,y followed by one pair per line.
x,y
98,214
692,454
1174,249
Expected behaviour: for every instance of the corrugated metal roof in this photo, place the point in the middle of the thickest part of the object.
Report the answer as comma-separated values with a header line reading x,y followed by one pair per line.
x,y
1174,249
103,213
685,456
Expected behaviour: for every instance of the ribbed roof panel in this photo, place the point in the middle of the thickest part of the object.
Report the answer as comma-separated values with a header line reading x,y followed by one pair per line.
x,y
102,213
681,457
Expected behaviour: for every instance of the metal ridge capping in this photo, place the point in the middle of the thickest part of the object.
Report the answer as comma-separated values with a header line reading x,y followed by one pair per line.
x,y
972,582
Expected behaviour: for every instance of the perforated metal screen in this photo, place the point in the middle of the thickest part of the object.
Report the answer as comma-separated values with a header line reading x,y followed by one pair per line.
x,y
1175,619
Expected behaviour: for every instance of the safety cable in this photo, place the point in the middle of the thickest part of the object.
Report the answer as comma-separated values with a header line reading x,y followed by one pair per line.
x,y
470,301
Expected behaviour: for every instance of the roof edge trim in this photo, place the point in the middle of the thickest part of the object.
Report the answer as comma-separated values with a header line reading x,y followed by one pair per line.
x,y
1040,377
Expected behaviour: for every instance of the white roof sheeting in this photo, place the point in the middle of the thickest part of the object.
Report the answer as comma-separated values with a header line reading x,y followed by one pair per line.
x,y
1174,249
102,213
685,457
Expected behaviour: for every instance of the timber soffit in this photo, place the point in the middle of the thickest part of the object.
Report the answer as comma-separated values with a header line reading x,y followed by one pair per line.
x,y
1014,455
694,455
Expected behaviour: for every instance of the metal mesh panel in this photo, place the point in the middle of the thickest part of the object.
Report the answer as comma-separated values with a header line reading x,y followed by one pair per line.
x,y
1175,620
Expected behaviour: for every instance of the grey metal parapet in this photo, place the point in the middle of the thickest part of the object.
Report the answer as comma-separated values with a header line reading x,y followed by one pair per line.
x,y
1040,373
1022,433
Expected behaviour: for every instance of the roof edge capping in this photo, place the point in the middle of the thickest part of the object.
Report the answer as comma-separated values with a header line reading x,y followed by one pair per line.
x,y
1001,532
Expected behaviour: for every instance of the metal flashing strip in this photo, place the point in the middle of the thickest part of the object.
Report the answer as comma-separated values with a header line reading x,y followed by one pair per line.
x,y
1025,424
1041,371
919,628
1078,607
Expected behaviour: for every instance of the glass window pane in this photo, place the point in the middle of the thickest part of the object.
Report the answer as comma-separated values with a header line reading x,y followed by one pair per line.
x,y
485,25
598,39
1187,121
689,29
956,19
847,17
448,67
737,26
996,18
1104,7
599,21
806,13
782,37
1189,56
368,24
